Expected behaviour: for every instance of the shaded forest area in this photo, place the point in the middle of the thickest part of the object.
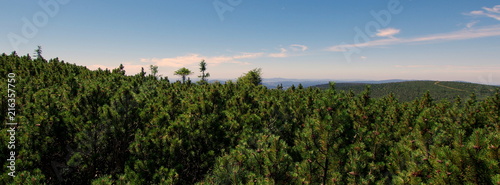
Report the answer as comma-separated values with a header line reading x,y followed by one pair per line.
x,y
78,126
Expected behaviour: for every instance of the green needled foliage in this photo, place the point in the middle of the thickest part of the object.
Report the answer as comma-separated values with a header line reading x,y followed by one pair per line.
x,y
183,72
253,77
203,76
78,126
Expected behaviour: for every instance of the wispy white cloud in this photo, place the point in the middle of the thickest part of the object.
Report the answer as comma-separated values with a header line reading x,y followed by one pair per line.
x,y
192,59
381,42
293,50
489,31
248,55
495,9
493,12
281,54
388,32
471,24
298,47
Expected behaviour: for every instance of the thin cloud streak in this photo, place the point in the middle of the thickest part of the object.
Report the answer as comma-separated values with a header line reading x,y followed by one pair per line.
x,y
489,31
388,32
490,12
471,24
192,59
292,50
298,47
281,54
495,9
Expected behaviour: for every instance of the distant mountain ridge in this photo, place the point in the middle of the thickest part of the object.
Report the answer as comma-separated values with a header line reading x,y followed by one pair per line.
x,y
272,83
409,90
286,83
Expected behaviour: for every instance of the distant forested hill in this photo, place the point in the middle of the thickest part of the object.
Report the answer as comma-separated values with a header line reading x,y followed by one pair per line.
x,y
407,91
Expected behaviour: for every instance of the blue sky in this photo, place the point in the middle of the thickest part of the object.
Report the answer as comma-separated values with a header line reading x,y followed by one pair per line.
x,y
338,40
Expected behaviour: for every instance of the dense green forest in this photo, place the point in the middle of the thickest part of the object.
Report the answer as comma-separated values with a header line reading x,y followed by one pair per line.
x,y
77,126
410,90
